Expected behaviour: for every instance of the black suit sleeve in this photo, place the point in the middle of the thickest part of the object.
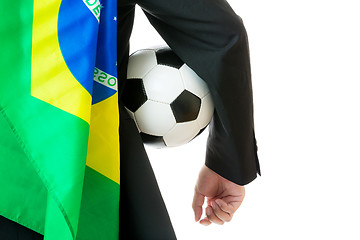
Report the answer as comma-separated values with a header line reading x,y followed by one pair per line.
x,y
212,40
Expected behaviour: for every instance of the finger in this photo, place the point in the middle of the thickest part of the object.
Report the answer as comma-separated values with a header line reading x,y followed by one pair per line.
x,y
220,213
205,222
212,217
197,203
228,208
236,199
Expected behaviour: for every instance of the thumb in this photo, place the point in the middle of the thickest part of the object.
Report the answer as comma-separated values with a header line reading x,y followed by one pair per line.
x,y
197,204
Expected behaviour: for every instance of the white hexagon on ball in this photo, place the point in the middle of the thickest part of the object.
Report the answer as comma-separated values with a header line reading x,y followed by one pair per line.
x,y
163,84
193,82
182,133
140,63
154,118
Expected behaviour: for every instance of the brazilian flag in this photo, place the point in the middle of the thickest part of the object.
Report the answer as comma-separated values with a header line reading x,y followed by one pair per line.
x,y
59,143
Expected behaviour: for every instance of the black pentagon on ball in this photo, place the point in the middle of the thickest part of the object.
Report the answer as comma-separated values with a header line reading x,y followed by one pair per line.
x,y
186,107
134,95
165,56
153,141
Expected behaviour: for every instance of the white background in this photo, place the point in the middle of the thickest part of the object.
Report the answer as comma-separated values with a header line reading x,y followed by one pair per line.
x,y
306,73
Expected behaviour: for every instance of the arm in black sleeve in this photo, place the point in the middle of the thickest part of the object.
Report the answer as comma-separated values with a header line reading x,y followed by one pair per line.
x,y
212,40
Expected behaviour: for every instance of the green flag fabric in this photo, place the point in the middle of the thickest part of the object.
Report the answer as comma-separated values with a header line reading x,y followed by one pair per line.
x,y
59,146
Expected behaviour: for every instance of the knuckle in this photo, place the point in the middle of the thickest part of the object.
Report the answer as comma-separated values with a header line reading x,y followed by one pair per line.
x,y
209,215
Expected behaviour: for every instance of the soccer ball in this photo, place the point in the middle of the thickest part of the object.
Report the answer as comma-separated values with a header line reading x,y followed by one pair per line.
x,y
168,101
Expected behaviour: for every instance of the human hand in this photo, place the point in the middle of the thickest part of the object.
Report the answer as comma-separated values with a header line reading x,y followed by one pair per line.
x,y
223,197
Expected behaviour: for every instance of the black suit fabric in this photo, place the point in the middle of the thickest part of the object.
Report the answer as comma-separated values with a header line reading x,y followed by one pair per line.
x,y
211,39
10,230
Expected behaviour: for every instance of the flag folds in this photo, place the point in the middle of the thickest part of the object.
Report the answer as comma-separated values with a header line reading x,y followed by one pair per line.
x,y
59,143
